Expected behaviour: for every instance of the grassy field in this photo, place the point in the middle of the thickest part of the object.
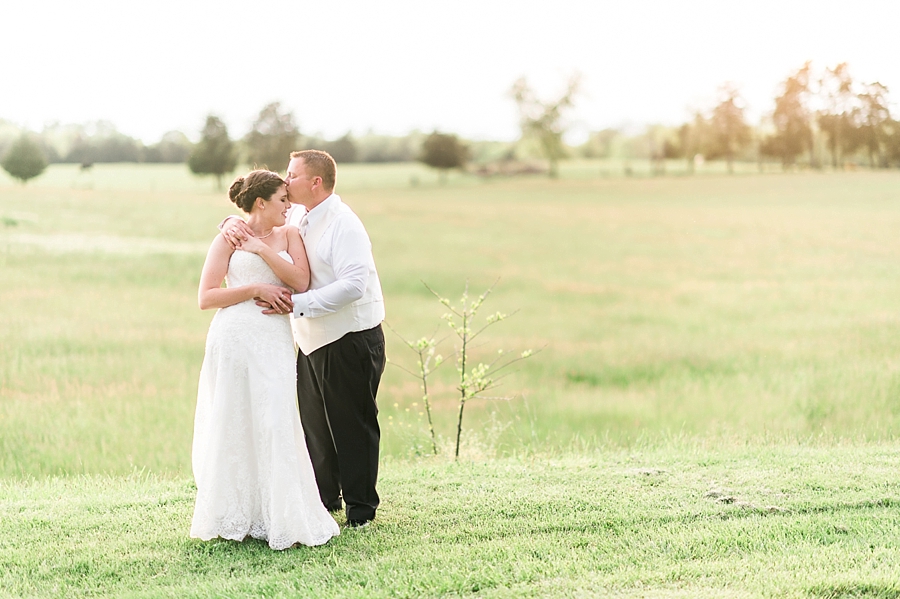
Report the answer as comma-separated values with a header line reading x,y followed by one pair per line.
x,y
739,308
703,338
701,522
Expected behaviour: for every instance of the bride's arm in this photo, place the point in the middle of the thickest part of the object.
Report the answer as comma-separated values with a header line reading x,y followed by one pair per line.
x,y
211,295
297,250
297,274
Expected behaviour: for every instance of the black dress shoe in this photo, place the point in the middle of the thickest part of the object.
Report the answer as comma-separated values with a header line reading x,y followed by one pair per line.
x,y
352,523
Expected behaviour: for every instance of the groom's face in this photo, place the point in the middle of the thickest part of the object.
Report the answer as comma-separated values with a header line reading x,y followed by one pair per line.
x,y
299,183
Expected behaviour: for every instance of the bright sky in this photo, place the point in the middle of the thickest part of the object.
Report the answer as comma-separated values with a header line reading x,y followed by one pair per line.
x,y
396,65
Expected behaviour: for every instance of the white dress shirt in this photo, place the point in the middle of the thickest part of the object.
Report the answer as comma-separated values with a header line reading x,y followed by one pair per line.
x,y
345,246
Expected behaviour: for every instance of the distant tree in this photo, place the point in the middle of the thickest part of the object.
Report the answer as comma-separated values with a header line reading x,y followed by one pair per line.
x,y
174,147
601,144
892,142
791,119
109,147
81,151
444,151
836,117
119,148
657,140
96,142
672,148
49,150
874,115
273,137
372,147
343,149
24,159
684,146
730,131
543,120
693,140
215,154
8,134
57,139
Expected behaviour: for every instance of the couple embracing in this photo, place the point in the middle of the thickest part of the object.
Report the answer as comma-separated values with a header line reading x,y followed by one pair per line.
x,y
264,469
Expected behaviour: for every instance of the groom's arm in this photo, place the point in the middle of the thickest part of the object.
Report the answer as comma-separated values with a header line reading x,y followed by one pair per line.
x,y
351,253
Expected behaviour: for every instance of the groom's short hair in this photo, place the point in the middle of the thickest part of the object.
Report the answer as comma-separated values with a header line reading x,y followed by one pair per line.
x,y
319,163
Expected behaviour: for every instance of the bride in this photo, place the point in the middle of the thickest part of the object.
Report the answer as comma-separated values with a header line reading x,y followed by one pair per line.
x,y
250,461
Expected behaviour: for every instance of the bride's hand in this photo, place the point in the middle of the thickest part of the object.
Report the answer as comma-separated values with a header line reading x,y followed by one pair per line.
x,y
252,244
279,298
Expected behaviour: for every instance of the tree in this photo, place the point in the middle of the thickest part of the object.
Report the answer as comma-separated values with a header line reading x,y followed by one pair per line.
x,y
174,147
836,118
102,142
543,120
602,144
730,131
693,140
791,119
24,160
874,116
372,147
273,137
657,141
892,142
343,149
215,154
444,151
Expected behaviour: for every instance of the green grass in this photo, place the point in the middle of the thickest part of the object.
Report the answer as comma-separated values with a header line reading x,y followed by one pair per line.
x,y
706,339
757,307
688,521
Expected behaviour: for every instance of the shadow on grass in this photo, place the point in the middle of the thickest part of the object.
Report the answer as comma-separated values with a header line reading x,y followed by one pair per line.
x,y
225,555
745,511
853,590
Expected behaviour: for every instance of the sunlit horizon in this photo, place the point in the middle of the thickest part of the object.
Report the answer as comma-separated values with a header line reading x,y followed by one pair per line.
x,y
402,66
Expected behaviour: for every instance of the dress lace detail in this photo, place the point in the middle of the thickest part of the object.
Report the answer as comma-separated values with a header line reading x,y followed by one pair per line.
x,y
250,461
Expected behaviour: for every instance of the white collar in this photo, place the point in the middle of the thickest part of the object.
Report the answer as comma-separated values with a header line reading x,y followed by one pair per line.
x,y
319,211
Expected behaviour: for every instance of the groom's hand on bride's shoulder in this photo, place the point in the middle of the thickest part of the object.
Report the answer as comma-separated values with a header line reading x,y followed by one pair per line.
x,y
235,231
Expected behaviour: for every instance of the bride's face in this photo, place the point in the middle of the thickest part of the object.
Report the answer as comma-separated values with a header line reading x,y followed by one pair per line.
x,y
277,206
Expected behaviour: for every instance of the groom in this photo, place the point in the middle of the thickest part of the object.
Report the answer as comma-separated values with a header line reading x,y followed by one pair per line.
x,y
337,325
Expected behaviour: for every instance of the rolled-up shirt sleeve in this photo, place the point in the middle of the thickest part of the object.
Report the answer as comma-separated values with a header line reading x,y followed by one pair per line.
x,y
351,252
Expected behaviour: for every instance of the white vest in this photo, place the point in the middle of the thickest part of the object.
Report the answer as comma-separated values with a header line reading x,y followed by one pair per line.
x,y
363,314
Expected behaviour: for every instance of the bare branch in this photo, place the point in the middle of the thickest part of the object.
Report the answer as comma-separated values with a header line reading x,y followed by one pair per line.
x,y
415,374
493,322
519,359
394,331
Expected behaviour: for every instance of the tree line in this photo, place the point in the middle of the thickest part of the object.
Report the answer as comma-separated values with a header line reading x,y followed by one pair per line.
x,y
273,130
97,142
273,135
817,118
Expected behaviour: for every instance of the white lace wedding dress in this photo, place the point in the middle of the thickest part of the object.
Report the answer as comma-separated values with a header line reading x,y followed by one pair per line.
x,y
250,461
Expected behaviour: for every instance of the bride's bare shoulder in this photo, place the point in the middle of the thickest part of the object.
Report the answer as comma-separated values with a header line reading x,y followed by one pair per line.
x,y
289,232
220,247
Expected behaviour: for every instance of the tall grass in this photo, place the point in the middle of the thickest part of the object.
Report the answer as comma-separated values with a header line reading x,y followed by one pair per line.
x,y
737,308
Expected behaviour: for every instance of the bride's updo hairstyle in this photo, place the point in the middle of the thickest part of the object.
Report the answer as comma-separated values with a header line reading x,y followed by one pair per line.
x,y
255,184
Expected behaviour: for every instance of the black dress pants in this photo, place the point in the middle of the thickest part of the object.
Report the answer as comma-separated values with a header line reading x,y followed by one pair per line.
x,y
336,389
